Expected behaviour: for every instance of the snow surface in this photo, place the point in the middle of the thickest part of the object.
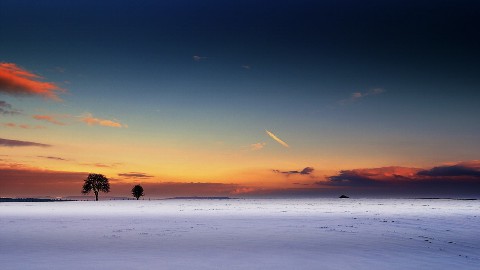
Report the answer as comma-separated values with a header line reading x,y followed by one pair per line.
x,y
241,234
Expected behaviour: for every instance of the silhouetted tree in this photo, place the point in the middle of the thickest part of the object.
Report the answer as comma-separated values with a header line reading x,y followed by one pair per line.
x,y
96,182
137,191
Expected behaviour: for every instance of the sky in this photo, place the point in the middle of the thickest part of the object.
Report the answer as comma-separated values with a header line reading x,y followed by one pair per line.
x,y
240,98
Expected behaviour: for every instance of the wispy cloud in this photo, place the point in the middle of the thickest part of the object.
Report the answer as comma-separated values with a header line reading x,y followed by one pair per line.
x,y
305,171
50,118
17,81
359,95
257,146
89,119
101,165
12,125
198,58
16,143
135,175
6,109
53,158
246,67
301,184
60,69
24,126
273,136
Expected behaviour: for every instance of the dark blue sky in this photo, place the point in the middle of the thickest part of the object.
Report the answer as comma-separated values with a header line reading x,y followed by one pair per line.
x,y
347,40
367,43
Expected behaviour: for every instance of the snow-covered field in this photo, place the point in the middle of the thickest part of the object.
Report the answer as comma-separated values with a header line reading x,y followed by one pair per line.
x,y
241,234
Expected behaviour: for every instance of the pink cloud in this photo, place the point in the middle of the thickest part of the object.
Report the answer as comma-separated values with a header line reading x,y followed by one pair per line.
x,y
93,121
257,146
24,126
15,80
49,118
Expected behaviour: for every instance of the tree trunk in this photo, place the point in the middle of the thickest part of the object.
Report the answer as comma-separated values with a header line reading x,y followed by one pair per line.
x,y
96,196
137,198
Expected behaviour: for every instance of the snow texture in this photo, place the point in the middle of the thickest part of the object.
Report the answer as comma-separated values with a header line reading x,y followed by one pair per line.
x,y
241,234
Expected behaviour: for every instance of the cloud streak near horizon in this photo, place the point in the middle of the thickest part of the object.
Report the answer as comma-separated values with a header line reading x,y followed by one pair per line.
x,y
17,81
274,137
53,158
22,126
135,175
17,143
305,171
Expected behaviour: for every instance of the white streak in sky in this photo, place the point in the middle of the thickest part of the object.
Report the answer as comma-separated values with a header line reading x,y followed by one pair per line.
x,y
276,138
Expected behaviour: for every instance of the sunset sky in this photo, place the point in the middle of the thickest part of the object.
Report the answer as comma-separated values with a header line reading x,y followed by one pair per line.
x,y
240,98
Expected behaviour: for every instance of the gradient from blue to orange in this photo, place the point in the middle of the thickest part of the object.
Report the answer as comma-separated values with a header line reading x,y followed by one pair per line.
x,y
190,87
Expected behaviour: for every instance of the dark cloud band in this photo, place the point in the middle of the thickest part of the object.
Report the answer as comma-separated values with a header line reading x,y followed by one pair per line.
x,y
17,143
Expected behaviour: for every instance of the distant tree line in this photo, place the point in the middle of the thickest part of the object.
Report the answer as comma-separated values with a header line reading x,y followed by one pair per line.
x,y
31,200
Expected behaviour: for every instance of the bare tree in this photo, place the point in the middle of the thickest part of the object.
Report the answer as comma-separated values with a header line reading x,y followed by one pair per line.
x,y
137,191
96,182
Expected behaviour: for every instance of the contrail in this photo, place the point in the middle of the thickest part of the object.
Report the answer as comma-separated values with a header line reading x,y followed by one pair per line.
x,y
276,138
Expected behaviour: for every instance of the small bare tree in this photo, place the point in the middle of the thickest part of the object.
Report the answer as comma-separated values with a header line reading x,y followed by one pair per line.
x,y
137,191
96,182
